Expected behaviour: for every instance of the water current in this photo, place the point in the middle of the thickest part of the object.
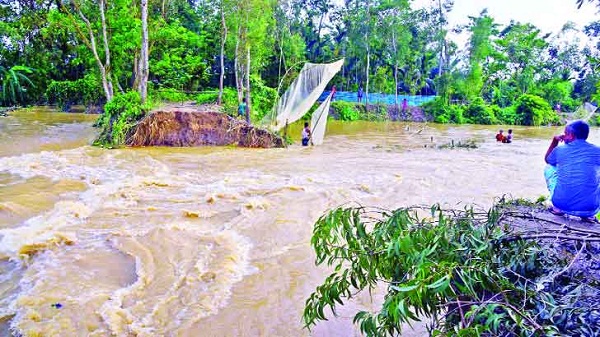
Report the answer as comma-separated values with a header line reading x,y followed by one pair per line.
x,y
214,241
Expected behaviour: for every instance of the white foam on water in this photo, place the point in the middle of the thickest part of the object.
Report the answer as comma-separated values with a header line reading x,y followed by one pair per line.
x,y
183,272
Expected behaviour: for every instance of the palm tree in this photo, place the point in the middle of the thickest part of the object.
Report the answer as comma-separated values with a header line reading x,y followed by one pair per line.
x,y
11,84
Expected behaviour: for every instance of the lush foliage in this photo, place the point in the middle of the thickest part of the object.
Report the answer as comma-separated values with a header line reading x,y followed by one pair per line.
x,y
169,95
263,98
118,119
462,270
534,110
346,111
230,100
441,112
67,93
388,46
479,113
12,81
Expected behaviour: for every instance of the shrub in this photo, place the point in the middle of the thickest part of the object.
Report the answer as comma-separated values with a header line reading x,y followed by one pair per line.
x,y
62,93
506,115
534,110
263,98
346,111
207,97
479,113
119,117
440,112
435,110
86,91
169,95
230,100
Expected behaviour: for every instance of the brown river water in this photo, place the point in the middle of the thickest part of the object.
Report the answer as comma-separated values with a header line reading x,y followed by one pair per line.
x,y
214,241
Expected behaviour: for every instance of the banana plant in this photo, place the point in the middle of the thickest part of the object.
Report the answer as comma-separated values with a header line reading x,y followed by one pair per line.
x,y
11,84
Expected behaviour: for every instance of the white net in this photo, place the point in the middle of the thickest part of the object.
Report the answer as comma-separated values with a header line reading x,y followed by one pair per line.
x,y
584,112
302,93
318,122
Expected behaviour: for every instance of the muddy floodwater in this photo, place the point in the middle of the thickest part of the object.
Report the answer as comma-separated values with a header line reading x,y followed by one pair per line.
x,y
214,241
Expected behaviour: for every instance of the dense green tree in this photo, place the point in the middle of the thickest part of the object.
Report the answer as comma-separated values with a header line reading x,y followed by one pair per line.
x,y
482,29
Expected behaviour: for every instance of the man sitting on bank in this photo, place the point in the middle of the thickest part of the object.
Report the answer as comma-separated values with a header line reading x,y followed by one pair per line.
x,y
572,174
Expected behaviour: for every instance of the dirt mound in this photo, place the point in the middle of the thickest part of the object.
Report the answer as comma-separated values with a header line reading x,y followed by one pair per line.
x,y
195,128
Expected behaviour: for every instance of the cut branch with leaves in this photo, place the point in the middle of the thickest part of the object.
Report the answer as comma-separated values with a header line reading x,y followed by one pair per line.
x,y
466,273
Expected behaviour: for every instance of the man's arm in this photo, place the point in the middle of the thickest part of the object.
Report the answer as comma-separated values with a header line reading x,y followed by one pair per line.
x,y
553,145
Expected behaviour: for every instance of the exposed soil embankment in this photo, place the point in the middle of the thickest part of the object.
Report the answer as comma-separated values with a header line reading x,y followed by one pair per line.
x,y
183,127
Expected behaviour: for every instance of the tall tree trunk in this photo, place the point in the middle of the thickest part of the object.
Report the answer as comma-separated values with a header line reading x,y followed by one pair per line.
x,y
368,55
442,40
106,50
143,88
236,64
103,67
395,49
367,84
136,71
248,97
224,38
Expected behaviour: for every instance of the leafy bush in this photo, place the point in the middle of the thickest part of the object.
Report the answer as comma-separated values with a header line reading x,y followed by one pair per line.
x,y
346,111
62,93
534,110
87,91
558,92
506,115
120,115
479,113
440,112
169,95
263,98
377,112
207,97
230,100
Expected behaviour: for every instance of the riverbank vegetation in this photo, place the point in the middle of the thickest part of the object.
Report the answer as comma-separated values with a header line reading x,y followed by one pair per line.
x,y
81,52
512,271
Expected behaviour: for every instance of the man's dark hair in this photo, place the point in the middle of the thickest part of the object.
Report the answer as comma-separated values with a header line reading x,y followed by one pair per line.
x,y
579,129
305,124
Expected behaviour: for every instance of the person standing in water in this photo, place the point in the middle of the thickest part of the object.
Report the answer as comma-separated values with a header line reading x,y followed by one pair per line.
x,y
305,134
360,93
242,108
500,136
509,137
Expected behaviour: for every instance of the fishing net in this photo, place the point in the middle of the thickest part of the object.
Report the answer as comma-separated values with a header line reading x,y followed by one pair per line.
x,y
584,112
318,122
302,94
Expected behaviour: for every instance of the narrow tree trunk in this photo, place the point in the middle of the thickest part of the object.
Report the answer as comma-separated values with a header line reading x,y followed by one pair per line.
x,y
103,67
281,57
224,38
236,65
368,56
396,83
395,49
106,50
248,96
367,84
136,72
441,60
143,88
